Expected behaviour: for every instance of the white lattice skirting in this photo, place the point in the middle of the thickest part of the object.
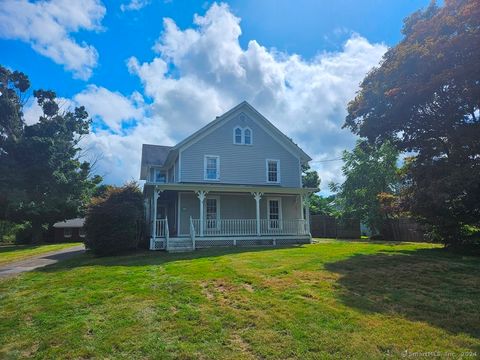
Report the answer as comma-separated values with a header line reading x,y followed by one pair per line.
x,y
205,243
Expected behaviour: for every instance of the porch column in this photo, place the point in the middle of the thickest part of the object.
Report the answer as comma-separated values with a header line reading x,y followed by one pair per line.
x,y
300,199
257,196
201,196
306,204
154,215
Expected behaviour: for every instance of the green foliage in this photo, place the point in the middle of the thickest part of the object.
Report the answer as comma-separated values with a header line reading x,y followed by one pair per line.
x,y
114,221
369,171
320,205
42,179
9,231
12,87
310,178
425,98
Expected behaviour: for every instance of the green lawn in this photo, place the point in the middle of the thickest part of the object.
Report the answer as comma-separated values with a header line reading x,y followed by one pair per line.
x,y
11,253
327,300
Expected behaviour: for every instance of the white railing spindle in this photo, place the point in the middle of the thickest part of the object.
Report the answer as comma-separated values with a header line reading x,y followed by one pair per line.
x,y
248,227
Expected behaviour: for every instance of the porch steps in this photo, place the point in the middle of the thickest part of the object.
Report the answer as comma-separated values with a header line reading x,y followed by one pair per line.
x,y
180,245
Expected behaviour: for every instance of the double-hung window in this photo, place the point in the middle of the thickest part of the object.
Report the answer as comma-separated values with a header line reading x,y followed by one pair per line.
x,y
273,171
212,167
274,211
159,176
212,214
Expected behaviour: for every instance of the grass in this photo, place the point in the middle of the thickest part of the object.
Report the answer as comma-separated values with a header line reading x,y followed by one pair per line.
x,y
328,300
12,253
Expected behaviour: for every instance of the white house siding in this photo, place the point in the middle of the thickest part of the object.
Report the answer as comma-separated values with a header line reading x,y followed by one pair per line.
x,y
240,164
241,206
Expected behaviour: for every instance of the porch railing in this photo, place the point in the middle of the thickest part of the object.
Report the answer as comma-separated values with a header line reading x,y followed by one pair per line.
x,y
248,227
161,227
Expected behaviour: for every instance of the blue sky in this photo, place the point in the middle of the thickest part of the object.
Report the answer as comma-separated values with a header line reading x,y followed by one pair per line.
x,y
142,81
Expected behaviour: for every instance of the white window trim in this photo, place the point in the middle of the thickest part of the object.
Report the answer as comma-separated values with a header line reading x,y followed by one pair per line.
x,y
205,167
205,210
278,171
81,232
241,135
65,235
160,171
280,212
251,136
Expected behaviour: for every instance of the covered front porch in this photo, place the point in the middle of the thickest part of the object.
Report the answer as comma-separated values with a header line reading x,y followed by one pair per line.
x,y
195,216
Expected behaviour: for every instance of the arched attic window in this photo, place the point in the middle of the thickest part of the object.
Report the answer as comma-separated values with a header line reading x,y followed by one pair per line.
x,y
237,135
247,136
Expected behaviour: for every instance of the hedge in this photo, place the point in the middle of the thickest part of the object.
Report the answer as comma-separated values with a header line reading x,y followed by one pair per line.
x,y
114,221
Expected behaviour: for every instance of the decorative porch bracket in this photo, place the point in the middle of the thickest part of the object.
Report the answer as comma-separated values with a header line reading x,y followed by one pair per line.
x,y
201,194
257,196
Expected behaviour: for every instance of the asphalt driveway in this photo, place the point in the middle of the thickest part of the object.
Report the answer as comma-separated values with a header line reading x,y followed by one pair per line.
x,y
38,261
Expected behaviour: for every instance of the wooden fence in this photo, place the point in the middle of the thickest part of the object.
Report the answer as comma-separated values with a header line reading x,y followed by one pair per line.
x,y
404,229
324,226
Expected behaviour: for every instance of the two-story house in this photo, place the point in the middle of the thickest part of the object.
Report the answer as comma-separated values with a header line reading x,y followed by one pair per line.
x,y
236,181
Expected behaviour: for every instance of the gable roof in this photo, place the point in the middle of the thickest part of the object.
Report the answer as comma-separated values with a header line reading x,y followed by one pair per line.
x,y
153,155
158,155
285,140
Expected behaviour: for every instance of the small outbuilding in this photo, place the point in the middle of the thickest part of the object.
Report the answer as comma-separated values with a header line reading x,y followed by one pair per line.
x,y
69,230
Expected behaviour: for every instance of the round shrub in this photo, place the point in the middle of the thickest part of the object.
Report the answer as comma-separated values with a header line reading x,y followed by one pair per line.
x,y
114,221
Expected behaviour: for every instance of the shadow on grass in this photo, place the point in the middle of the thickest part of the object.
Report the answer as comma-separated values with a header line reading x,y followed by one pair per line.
x,y
428,285
147,257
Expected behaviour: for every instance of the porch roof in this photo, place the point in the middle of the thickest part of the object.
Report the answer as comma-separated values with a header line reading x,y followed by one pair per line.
x,y
230,188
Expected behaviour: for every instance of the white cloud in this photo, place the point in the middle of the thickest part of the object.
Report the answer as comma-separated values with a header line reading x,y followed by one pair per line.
x,y
32,111
306,99
118,150
134,5
120,155
112,108
47,27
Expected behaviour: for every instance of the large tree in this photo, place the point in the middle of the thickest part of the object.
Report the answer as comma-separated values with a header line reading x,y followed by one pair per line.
x,y
310,178
425,98
369,171
42,177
